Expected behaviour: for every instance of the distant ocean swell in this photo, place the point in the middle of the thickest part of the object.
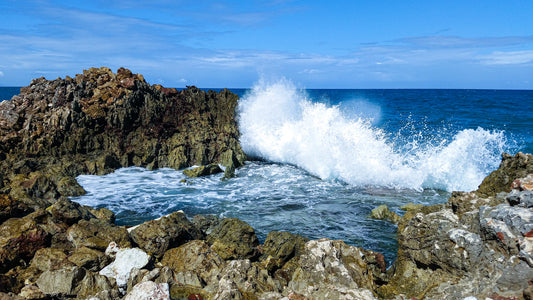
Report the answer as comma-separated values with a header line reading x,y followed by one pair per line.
x,y
279,123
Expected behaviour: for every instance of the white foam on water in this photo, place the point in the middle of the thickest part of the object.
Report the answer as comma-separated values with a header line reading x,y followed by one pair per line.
x,y
280,124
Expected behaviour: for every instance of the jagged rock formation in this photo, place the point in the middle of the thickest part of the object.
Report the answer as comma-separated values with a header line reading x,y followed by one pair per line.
x,y
477,244
100,121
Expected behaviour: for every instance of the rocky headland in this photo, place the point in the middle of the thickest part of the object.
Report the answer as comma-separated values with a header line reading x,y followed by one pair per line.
x,y
477,244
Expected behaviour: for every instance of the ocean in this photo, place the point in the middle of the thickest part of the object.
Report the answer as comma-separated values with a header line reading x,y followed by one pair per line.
x,y
322,159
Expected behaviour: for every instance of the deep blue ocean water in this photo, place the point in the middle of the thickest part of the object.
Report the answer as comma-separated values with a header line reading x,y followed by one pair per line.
x,y
323,159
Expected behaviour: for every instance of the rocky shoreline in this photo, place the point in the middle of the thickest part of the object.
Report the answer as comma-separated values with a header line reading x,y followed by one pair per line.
x,y
478,244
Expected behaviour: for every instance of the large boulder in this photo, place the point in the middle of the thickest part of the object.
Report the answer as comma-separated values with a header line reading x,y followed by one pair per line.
x,y
170,231
280,247
194,264
234,239
511,168
97,234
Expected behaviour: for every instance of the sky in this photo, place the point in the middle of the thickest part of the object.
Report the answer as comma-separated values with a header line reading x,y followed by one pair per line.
x,y
316,44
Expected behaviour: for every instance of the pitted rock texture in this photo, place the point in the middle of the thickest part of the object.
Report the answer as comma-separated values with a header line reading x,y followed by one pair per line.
x,y
477,244
100,121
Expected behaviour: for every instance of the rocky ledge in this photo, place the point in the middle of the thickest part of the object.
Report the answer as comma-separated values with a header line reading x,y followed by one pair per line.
x,y
477,245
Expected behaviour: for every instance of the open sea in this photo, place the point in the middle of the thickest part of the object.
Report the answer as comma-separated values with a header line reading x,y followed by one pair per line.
x,y
322,159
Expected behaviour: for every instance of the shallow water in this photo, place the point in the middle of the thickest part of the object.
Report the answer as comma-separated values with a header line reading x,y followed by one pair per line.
x,y
268,196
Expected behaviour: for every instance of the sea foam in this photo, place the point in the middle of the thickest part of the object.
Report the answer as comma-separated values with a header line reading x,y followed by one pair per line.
x,y
279,123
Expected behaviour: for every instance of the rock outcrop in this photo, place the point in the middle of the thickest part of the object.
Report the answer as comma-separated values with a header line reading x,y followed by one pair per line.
x,y
477,244
99,121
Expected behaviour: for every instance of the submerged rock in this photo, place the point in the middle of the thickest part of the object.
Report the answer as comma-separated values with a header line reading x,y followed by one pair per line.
x,y
203,171
382,212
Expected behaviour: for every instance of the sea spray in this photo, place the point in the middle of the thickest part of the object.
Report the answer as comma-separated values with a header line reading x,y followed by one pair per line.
x,y
279,123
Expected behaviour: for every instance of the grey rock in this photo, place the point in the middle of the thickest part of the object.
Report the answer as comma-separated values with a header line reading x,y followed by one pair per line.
x,y
520,198
332,270
60,282
148,290
247,277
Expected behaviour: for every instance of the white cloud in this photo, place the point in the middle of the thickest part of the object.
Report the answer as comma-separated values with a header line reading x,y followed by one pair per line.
x,y
1,74
508,58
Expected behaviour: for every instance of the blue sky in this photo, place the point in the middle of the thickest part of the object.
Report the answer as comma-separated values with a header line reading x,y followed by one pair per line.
x,y
316,44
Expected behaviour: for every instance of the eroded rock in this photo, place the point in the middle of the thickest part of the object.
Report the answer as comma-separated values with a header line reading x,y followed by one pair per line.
x,y
157,236
234,239
149,290
280,247
194,263
332,270
60,282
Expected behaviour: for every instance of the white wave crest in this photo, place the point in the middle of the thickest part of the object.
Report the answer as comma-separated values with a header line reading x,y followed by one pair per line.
x,y
280,124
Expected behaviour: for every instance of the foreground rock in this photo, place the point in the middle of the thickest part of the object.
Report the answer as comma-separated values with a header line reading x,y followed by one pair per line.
x,y
477,244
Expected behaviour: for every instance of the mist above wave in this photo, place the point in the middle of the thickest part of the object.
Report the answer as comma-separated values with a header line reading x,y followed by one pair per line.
x,y
279,123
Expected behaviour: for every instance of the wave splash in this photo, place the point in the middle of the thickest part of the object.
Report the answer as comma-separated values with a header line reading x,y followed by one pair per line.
x,y
279,123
